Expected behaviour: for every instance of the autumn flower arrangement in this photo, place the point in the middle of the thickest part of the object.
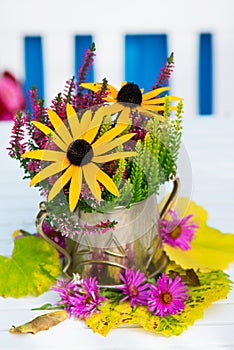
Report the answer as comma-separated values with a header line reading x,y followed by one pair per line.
x,y
97,148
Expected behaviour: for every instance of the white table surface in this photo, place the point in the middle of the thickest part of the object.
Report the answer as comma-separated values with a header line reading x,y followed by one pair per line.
x,y
209,142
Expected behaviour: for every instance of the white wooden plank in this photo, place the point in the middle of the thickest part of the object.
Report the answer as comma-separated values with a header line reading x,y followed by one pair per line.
x,y
209,337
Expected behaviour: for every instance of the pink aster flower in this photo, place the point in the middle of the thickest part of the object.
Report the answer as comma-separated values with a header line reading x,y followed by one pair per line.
x,y
86,301
135,288
168,296
65,289
178,232
80,298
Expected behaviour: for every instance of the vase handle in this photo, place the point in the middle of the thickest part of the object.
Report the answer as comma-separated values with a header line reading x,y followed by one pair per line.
x,y
171,198
40,218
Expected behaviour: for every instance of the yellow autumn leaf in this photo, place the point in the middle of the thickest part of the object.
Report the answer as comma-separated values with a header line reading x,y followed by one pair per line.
x,y
210,250
214,285
187,207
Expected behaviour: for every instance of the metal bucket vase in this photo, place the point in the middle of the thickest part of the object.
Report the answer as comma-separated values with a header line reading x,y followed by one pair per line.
x,y
134,243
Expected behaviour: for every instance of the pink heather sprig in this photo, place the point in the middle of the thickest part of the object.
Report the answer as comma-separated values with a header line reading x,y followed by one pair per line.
x,y
38,110
87,99
165,74
59,106
39,114
138,122
71,229
17,146
59,103
86,63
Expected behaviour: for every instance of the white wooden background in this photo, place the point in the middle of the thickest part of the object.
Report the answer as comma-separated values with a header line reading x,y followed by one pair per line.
x,y
209,144
108,22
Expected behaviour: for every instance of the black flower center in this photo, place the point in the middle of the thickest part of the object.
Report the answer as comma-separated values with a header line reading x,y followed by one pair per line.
x,y
130,93
166,298
176,232
80,152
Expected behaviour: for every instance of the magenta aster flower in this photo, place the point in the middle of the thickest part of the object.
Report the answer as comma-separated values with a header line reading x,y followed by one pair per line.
x,y
178,232
65,289
86,301
168,296
80,298
135,288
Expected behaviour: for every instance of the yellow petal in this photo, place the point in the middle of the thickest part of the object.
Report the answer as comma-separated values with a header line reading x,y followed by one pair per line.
x,y
110,134
112,109
107,146
109,99
113,156
90,174
90,135
154,93
161,100
59,127
47,131
75,187
173,108
85,121
158,108
50,170
124,116
92,86
147,113
113,91
61,182
45,154
155,108
73,121
94,124
107,182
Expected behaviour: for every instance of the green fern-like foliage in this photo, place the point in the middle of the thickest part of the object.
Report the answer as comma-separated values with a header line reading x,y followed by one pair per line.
x,y
157,155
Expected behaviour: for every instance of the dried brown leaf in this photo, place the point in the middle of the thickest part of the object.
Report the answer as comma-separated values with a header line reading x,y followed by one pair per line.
x,y
41,323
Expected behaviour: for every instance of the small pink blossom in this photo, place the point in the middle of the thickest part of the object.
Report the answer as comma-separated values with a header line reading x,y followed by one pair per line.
x,y
168,296
178,232
135,287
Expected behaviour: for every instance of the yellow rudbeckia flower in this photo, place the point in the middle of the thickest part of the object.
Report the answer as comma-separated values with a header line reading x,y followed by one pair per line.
x,y
131,93
79,152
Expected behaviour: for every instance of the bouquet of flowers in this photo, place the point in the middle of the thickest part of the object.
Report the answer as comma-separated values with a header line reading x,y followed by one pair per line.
x,y
97,148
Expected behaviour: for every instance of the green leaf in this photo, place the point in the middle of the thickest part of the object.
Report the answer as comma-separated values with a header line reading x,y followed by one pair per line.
x,y
32,268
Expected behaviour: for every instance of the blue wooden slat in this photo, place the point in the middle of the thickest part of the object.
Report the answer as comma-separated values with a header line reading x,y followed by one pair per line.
x,y
145,54
205,84
82,42
33,60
